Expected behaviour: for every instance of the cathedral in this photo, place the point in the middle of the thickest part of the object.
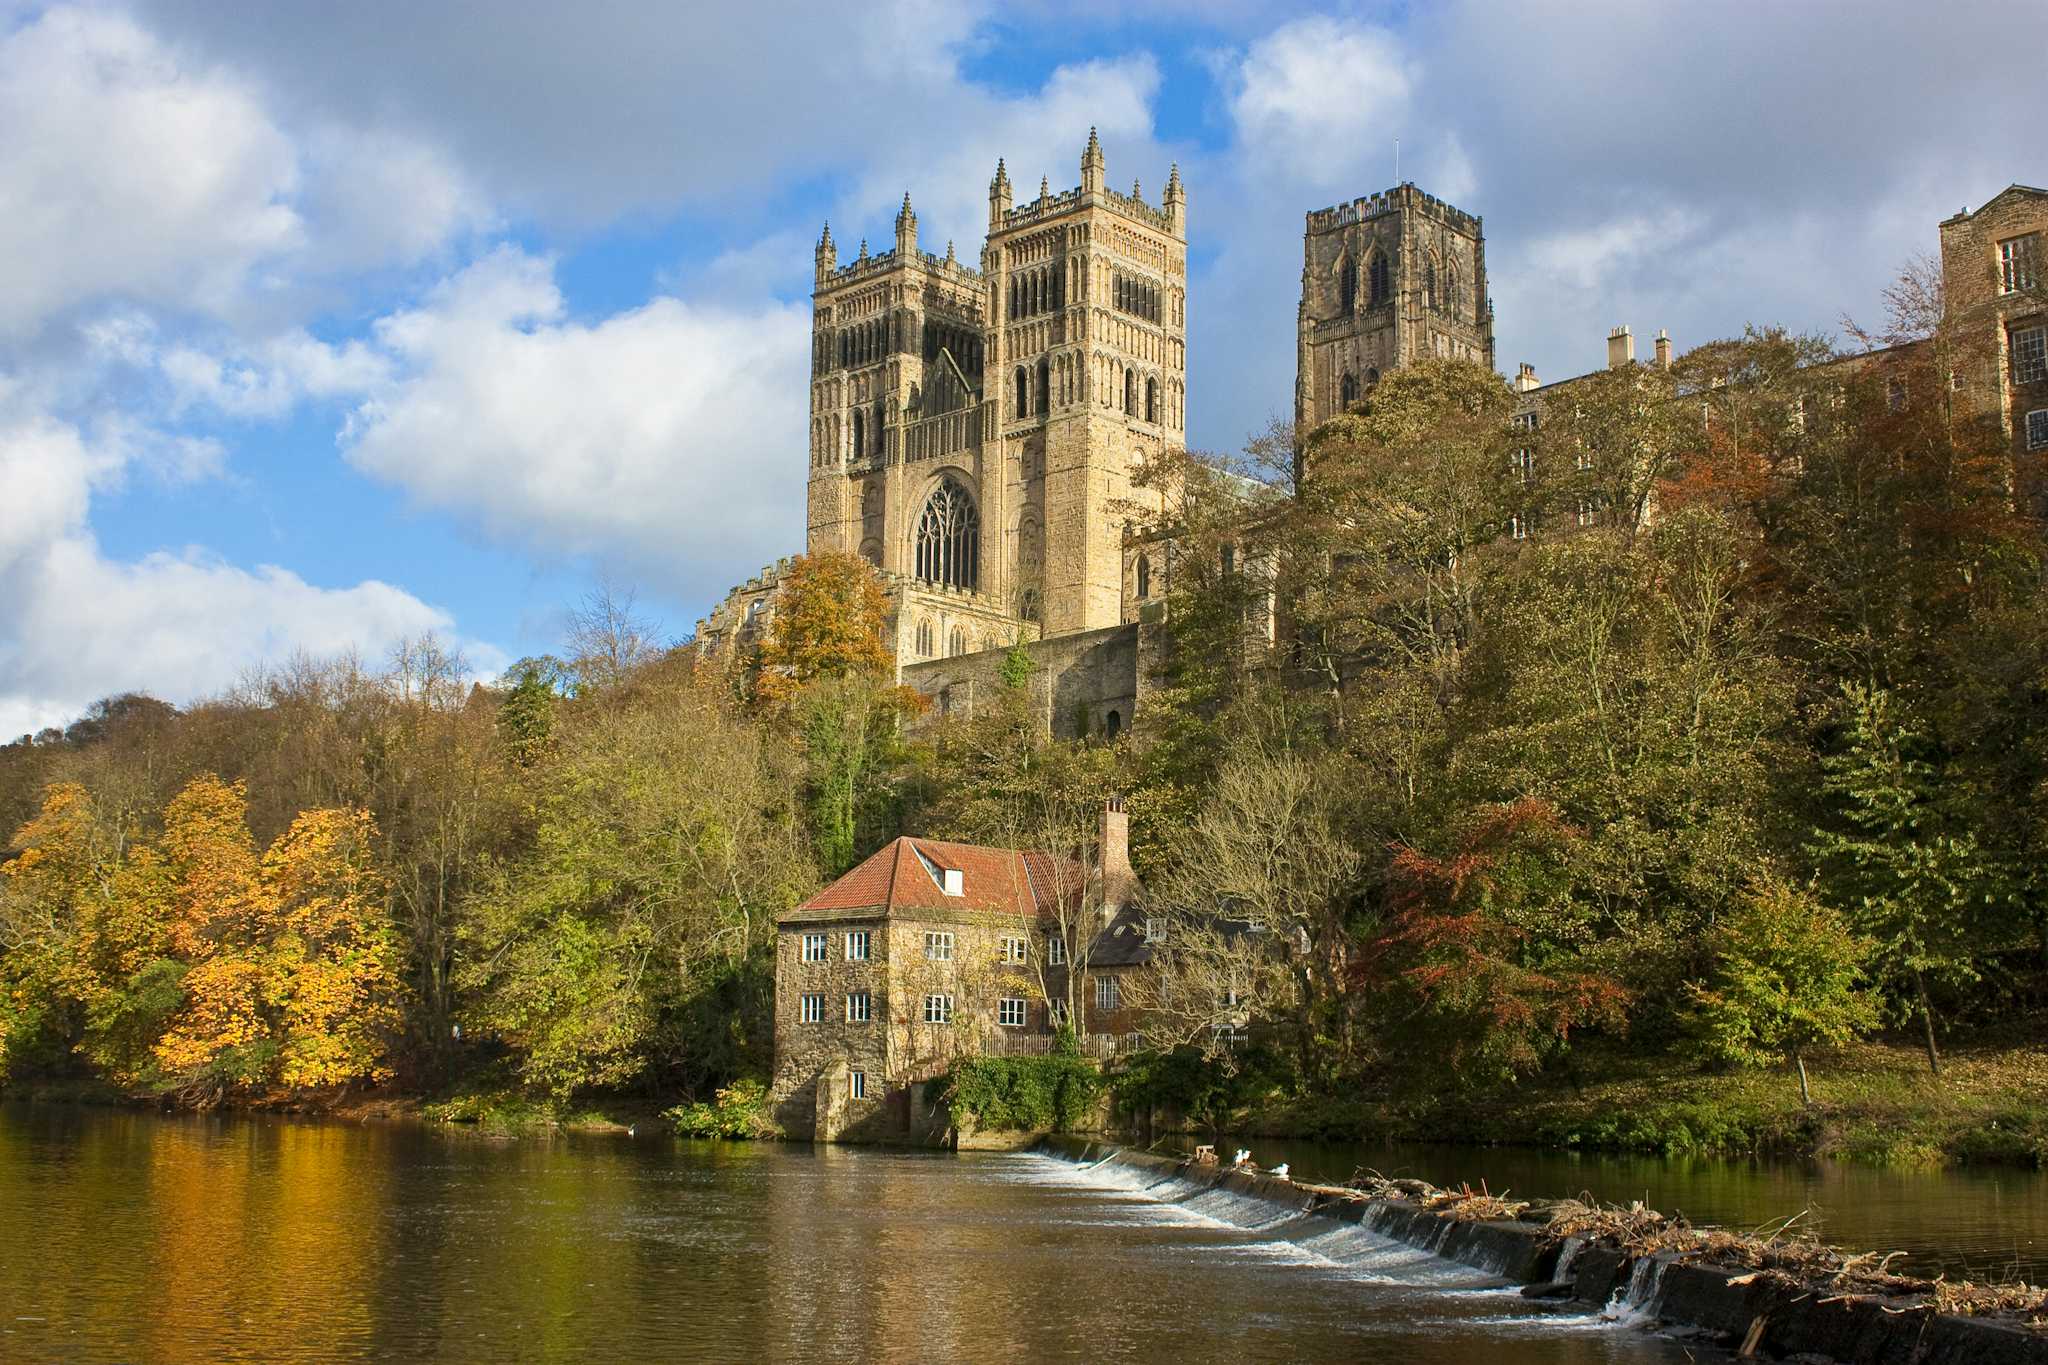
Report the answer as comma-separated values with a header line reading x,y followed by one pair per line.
x,y
974,431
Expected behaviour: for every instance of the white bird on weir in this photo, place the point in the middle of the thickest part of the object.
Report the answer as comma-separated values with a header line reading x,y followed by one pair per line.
x,y
1243,1155
1279,1172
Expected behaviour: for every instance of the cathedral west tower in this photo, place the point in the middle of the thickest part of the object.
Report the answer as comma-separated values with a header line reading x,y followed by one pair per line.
x,y
974,432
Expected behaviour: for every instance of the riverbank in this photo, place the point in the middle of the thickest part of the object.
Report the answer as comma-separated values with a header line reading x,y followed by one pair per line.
x,y
1873,1102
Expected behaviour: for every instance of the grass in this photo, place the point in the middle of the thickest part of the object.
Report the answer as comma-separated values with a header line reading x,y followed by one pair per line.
x,y
1874,1102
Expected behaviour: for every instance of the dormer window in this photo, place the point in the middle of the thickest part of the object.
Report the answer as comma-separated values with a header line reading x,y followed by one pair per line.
x,y
951,881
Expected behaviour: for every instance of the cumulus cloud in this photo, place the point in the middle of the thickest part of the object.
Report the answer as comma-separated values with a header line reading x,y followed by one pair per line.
x,y
1319,99
668,439
76,625
137,171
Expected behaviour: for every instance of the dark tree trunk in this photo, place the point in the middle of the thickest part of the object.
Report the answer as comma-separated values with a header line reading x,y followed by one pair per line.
x,y
1927,1021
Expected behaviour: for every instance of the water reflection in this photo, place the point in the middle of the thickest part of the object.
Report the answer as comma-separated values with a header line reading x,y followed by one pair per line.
x,y
129,1236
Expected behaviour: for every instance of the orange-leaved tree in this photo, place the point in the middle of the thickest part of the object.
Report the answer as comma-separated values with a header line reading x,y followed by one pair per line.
x,y
1484,939
827,623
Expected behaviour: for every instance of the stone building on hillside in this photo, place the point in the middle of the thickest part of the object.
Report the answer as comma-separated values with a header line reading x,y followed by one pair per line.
x,y
929,951
1994,274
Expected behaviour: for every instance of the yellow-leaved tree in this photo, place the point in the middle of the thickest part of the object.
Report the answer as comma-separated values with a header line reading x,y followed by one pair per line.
x,y
294,969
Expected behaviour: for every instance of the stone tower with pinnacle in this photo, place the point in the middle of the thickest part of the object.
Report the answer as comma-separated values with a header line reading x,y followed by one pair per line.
x,y
974,433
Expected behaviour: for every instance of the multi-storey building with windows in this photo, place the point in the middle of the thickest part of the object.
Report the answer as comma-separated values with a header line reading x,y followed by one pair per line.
x,y
930,950
1994,272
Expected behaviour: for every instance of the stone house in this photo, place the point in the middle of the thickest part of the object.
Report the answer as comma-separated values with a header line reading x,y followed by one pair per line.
x,y
929,951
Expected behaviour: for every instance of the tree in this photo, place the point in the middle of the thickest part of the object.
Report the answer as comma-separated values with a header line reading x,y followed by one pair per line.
x,y
828,622
1909,874
1786,979
1483,939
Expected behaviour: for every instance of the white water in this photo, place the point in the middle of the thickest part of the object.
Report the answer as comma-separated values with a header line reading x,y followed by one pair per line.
x,y
1442,1292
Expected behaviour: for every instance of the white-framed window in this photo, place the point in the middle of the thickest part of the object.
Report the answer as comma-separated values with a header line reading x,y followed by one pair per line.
x,y
814,947
2037,429
1584,460
1108,992
1056,1012
856,1085
1015,948
1155,928
938,1009
1585,511
1525,464
1055,950
1518,528
2017,257
938,946
1010,1012
860,1007
813,1008
857,945
2030,355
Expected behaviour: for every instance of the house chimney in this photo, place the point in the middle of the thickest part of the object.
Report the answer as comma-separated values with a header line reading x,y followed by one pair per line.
x,y
1525,378
1621,348
1115,848
1663,349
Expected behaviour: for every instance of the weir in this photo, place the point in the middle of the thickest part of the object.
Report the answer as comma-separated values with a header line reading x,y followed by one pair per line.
x,y
1399,1243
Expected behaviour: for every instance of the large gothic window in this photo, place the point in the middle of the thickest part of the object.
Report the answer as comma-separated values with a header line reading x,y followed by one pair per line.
x,y
1347,287
1044,387
1381,287
949,538
1350,389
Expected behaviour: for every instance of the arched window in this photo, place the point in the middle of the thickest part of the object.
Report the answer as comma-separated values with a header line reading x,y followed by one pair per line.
x,y
924,639
958,643
1112,725
860,433
1429,283
1151,400
1377,273
1372,376
1023,393
1144,578
1347,287
949,538
1349,389
1044,387
1130,393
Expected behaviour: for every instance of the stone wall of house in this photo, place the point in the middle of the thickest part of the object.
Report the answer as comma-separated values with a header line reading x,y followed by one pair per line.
x,y
813,1061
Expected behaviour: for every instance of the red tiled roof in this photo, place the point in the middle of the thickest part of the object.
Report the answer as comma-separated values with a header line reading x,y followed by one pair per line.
x,y
997,879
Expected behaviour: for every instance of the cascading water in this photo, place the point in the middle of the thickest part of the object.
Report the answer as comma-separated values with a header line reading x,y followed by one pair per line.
x,y
1274,1232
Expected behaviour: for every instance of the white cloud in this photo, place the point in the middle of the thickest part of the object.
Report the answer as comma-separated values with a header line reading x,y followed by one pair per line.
x,y
133,171
1317,100
125,173
669,439
75,625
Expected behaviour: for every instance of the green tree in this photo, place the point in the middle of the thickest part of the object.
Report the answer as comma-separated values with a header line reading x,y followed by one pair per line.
x,y
1786,979
1908,872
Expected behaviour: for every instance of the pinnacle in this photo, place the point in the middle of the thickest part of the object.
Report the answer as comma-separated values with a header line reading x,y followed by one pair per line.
x,y
1137,190
1044,187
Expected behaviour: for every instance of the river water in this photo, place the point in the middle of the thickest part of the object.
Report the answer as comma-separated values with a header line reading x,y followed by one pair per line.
x,y
128,1236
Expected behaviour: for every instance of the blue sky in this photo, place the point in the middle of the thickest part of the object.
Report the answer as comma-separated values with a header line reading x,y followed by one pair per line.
x,y
324,326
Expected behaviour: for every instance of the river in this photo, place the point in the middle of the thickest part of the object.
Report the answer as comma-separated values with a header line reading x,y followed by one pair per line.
x,y
129,1236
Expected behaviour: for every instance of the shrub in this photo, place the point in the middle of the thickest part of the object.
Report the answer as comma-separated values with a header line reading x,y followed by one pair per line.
x,y
739,1110
1053,1094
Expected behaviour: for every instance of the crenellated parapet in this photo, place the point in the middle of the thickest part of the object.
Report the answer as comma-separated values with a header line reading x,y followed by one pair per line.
x,y
1402,197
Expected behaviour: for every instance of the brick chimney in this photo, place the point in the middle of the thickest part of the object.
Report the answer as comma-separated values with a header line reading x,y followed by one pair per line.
x,y
1663,349
1114,851
1621,348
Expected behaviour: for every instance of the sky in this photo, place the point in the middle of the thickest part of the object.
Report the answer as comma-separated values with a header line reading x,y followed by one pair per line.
x,y
324,326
